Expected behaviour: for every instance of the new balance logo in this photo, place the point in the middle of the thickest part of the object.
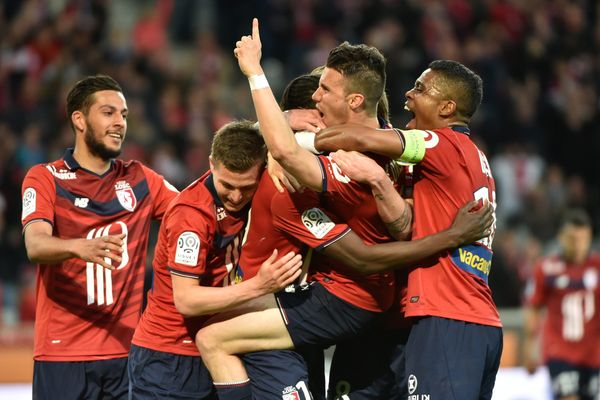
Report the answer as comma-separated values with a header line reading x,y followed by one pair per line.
x,y
81,202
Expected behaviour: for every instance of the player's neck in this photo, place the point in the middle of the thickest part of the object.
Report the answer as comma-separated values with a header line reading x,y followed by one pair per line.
x,y
89,161
363,119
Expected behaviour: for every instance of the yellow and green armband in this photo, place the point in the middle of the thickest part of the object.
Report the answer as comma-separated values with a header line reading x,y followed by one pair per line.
x,y
414,146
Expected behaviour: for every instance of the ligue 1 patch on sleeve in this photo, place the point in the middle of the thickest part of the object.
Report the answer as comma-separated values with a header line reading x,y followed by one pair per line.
x,y
188,248
29,202
317,222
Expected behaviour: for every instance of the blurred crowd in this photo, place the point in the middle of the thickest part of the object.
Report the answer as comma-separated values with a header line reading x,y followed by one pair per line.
x,y
539,122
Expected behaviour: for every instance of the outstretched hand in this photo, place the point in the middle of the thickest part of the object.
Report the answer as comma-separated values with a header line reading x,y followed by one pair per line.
x,y
104,251
358,167
275,275
474,224
248,51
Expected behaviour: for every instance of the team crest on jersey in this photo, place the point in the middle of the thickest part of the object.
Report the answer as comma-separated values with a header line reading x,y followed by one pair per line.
x,y
290,393
29,202
221,213
125,195
317,222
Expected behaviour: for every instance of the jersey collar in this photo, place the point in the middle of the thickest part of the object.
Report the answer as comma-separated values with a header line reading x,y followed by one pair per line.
x,y
73,165
461,129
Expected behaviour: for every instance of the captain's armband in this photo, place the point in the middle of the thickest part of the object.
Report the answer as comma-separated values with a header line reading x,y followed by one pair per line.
x,y
414,146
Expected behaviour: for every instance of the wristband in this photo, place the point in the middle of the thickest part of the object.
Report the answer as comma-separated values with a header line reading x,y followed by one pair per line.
x,y
258,82
306,140
414,146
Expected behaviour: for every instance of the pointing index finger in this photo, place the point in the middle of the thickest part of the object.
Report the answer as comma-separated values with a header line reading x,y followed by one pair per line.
x,y
255,32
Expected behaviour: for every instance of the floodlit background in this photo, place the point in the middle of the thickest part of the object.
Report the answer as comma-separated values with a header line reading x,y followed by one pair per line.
x,y
539,123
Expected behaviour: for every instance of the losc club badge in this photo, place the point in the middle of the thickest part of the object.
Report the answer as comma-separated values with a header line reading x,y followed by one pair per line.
x,y
125,195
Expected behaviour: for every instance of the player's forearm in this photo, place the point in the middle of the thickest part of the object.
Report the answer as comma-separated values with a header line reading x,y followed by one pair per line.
x,y
276,131
532,322
201,300
281,142
47,249
394,255
386,142
393,210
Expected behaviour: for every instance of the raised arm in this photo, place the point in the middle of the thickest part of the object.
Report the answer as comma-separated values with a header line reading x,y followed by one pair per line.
x,y
468,227
405,145
278,135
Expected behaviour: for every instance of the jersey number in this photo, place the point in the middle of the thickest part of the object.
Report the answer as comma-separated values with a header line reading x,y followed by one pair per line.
x,y
99,279
577,309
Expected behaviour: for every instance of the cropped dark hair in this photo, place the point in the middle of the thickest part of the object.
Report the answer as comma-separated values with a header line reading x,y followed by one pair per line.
x,y
81,96
461,85
238,146
298,93
577,217
364,68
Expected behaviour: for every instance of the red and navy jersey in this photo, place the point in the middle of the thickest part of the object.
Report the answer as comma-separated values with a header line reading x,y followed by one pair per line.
x,y
84,311
200,240
570,293
271,226
454,285
352,202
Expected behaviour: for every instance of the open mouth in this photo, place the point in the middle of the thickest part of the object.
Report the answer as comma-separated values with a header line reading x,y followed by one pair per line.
x,y
411,122
115,135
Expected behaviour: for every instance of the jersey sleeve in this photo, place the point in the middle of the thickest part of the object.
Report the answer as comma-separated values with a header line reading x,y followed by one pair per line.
x,y
338,185
300,216
439,157
189,236
535,294
161,190
38,196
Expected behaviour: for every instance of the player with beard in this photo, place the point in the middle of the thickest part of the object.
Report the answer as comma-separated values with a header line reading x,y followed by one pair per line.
x,y
86,219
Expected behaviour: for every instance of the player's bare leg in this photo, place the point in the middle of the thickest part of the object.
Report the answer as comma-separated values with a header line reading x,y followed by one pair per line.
x,y
256,326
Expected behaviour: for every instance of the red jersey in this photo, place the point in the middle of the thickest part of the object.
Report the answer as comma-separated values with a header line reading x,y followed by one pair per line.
x,y
570,293
199,239
84,311
352,202
453,172
268,229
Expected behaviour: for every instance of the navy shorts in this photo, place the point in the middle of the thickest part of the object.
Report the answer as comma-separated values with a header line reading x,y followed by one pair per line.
x,y
86,379
277,374
315,317
573,380
369,366
450,359
158,375
314,357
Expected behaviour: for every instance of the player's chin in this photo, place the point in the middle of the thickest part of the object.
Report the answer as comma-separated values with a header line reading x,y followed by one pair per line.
x,y
412,124
230,207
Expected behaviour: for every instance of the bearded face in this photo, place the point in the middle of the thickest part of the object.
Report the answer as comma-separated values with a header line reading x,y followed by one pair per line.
x,y
97,147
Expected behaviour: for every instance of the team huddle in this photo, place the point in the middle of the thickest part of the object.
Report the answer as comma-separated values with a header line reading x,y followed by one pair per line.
x,y
319,224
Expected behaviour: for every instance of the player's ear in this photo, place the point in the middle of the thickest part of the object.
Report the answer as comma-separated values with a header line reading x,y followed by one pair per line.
x,y
356,100
78,120
447,108
211,163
